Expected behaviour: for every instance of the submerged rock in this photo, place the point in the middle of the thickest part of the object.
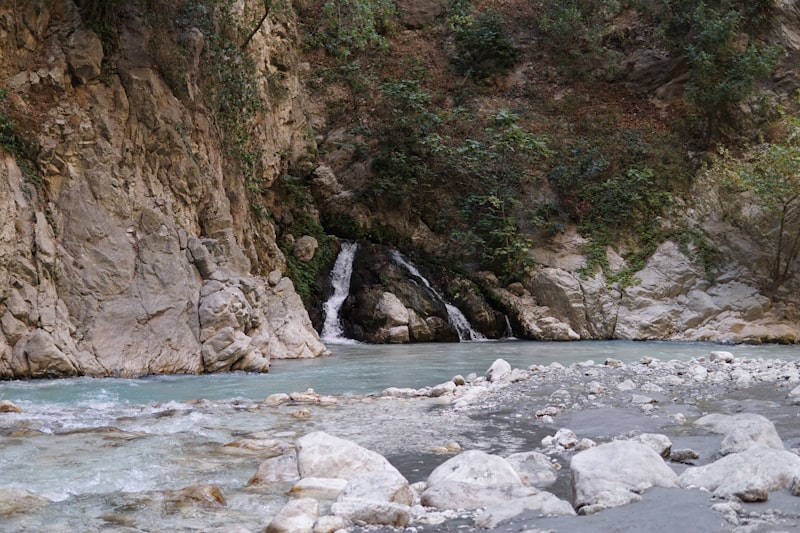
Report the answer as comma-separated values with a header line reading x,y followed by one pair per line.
x,y
13,501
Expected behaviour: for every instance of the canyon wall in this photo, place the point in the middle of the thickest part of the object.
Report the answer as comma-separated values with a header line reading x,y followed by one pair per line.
x,y
127,245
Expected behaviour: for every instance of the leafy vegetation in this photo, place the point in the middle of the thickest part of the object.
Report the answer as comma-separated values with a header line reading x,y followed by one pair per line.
x,y
771,173
13,143
345,28
483,47
575,32
305,275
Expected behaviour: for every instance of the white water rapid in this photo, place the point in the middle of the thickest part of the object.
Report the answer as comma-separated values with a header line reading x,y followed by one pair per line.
x,y
332,330
462,326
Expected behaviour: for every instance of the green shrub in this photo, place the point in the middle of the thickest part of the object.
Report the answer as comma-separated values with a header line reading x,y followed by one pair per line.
x,y
483,48
574,31
348,27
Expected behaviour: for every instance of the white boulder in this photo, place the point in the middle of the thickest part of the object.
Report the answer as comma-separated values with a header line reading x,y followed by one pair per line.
x,y
322,455
615,473
748,475
297,516
534,468
742,431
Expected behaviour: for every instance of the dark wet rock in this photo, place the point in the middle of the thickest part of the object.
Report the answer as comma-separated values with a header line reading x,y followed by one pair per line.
x,y
683,455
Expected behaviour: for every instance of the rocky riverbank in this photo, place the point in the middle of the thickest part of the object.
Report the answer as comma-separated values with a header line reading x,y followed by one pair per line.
x,y
709,444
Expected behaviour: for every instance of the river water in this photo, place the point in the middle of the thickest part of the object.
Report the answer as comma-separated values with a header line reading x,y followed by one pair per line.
x,y
105,451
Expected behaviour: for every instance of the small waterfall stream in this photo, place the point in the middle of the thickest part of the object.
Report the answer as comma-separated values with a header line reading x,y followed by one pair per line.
x,y
332,330
462,326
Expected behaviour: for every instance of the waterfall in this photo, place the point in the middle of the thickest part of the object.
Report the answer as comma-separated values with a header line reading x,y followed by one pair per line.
x,y
332,330
454,315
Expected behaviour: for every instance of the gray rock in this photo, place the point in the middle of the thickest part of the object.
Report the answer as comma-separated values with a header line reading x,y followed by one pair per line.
x,y
499,370
279,469
304,248
741,431
322,455
477,468
319,488
451,494
534,468
658,442
615,473
543,503
752,472
84,55
373,513
297,516
379,486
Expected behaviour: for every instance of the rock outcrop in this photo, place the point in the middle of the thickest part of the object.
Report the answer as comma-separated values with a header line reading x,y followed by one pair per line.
x,y
129,248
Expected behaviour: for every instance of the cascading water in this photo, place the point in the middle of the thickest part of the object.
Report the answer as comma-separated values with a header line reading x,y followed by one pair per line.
x,y
332,330
454,315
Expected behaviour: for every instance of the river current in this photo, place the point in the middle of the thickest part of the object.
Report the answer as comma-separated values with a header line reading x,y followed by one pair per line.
x,y
107,451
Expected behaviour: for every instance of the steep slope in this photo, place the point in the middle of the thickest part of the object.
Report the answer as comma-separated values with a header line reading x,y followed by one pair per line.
x,y
128,244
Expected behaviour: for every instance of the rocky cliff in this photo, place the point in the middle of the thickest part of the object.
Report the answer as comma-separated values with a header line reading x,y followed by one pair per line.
x,y
127,244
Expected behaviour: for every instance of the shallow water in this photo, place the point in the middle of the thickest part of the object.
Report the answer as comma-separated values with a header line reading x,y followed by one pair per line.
x,y
104,450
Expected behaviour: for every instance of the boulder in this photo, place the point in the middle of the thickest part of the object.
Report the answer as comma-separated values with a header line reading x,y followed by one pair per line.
x,y
84,55
748,475
322,455
373,513
534,468
277,469
451,494
476,468
499,370
304,248
615,473
320,488
297,516
204,494
330,524
7,406
658,442
391,310
13,501
543,503
379,486
741,431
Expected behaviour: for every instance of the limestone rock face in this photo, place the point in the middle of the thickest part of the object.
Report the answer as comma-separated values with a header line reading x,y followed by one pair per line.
x,y
670,299
138,253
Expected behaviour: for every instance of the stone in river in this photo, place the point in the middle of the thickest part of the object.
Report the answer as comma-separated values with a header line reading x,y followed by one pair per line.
x,y
322,455
615,473
297,516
